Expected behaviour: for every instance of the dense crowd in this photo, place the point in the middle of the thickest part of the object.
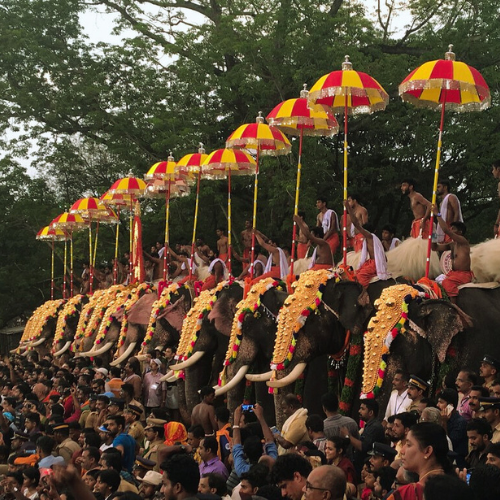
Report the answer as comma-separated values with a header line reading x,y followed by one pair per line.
x,y
82,430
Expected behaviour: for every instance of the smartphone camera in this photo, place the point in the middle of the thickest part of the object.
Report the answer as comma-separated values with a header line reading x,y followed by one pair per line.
x,y
247,407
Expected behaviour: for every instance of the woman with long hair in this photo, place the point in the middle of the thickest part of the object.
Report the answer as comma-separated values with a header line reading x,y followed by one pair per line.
x,y
335,450
425,453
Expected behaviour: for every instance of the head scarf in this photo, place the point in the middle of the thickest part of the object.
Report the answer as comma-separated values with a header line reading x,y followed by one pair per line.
x,y
175,433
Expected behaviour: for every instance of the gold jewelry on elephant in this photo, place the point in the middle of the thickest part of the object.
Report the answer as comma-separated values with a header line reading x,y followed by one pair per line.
x,y
67,312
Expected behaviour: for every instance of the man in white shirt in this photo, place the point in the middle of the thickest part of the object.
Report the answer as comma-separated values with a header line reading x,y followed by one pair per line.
x,y
399,401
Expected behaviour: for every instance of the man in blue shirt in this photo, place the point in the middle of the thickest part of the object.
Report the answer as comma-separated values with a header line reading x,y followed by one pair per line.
x,y
121,440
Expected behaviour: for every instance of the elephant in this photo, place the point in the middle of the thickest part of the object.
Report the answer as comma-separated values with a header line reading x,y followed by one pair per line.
x,y
67,323
345,306
168,325
203,366
254,353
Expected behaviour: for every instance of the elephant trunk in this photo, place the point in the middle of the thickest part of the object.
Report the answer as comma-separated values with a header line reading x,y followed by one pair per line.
x,y
64,348
240,375
259,377
189,362
125,355
290,378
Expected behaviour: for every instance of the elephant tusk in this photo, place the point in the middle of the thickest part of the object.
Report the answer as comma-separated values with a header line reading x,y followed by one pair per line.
x,y
240,375
168,375
64,348
188,362
38,342
141,357
125,355
259,377
17,350
107,346
25,353
290,378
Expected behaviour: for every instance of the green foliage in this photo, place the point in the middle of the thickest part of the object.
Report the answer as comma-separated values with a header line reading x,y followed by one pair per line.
x,y
95,111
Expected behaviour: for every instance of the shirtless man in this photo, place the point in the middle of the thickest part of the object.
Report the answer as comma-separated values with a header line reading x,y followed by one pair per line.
x,y
204,413
203,250
302,240
355,239
276,262
246,239
322,257
460,256
449,209
389,242
258,265
217,270
327,219
495,170
420,207
222,244
158,264
373,261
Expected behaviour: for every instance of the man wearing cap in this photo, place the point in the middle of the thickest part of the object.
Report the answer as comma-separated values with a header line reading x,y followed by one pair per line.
x,y
116,406
381,455
491,408
417,388
65,445
150,484
488,370
155,435
141,466
133,427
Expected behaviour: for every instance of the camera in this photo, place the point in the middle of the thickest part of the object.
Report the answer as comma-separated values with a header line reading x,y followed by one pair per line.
x,y
247,407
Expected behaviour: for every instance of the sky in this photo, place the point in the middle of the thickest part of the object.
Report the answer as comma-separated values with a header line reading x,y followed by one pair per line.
x,y
99,25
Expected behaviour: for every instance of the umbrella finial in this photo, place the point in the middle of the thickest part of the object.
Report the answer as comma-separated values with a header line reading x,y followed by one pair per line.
x,y
450,55
260,118
201,149
170,157
130,174
346,65
304,93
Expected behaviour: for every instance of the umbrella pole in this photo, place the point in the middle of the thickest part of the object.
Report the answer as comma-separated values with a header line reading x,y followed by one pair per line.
x,y
131,243
117,236
167,242
52,273
434,188
65,265
344,223
254,218
95,243
91,269
71,264
191,264
229,222
296,206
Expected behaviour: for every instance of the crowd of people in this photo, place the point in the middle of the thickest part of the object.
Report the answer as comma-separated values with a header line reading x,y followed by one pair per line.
x,y
89,432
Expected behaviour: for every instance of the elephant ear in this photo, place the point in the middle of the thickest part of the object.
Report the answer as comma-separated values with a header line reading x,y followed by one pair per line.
x,y
174,313
141,310
442,322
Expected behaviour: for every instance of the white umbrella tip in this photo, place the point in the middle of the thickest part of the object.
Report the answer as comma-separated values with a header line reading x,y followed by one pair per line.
x,y
450,55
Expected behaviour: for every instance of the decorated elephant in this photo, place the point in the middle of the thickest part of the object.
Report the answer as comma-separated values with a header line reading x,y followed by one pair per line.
x,y
67,322
205,336
153,322
251,345
437,337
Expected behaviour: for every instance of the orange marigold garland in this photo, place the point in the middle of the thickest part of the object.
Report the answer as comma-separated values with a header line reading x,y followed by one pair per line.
x,y
69,310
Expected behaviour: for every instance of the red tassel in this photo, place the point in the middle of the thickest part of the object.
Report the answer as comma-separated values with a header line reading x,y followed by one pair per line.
x,y
289,280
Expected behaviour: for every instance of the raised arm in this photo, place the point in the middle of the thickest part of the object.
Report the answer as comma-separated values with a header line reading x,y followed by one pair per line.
x,y
260,238
461,240
356,222
305,231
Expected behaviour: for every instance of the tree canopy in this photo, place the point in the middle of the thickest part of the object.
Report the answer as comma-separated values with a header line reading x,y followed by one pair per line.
x,y
186,71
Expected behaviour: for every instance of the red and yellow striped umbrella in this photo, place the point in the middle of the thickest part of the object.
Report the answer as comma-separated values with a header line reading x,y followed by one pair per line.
x,y
265,140
295,117
192,164
167,180
51,234
92,209
116,200
349,92
223,163
69,223
445,84
130,185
